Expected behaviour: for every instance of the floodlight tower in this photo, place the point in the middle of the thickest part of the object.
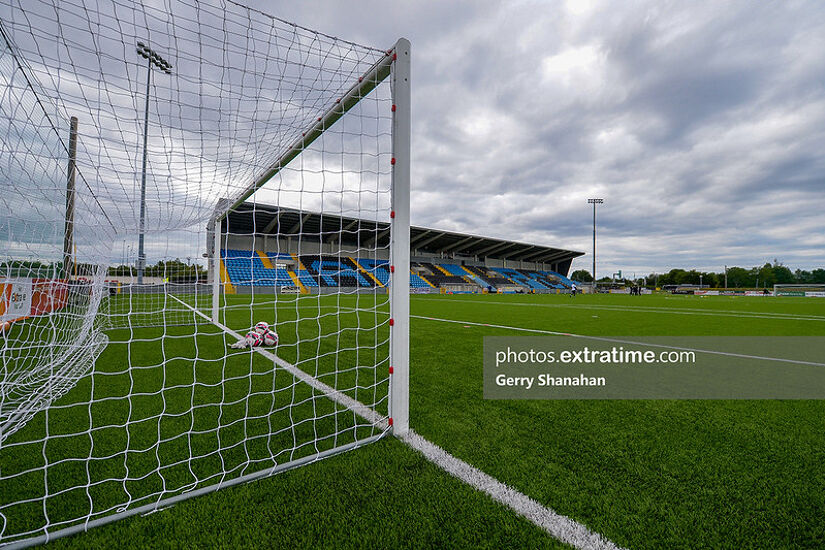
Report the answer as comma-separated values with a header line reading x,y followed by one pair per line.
x,y
594,202
154,59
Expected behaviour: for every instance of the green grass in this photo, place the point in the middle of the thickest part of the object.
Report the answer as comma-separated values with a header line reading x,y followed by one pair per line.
x,y
646,474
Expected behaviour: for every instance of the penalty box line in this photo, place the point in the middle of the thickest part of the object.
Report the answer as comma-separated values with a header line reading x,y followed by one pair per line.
x,y
556,525
620,341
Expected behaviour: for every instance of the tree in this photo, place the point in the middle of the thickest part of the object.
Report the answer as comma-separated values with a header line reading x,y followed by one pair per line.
x,y
582,275
739,277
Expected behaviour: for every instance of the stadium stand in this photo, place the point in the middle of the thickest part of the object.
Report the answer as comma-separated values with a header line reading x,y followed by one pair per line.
x,y
460,271
249,267
439,253
452,269
418,282
380,269
522,279
561,278
246,267
489,275
439,275
334,271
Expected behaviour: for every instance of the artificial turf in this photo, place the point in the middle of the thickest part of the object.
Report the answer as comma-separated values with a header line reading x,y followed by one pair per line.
x,y
646,474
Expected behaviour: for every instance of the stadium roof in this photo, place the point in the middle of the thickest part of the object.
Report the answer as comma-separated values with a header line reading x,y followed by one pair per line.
x,y
273,220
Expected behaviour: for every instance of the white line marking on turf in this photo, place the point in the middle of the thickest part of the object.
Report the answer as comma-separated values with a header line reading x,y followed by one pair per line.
x,y
359,408
561,527
651,309
620,341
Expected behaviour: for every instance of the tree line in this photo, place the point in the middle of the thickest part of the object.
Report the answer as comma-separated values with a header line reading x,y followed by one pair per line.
x,y
175,270
737,277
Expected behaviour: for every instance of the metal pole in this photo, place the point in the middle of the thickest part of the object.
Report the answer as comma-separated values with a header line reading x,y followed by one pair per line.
x,y
141,253
400,244
594,202
594,242
216,271
68,237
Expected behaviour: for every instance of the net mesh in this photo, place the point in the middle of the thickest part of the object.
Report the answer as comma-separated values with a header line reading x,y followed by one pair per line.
x,y
119,388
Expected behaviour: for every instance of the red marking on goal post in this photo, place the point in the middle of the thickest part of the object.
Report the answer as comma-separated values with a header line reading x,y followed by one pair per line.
x,y
391,370
392,322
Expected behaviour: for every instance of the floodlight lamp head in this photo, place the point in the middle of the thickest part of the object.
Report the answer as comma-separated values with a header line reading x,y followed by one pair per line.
x,y
595,201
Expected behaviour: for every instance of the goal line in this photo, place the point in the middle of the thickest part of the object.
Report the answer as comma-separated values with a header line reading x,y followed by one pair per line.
x,y
339,397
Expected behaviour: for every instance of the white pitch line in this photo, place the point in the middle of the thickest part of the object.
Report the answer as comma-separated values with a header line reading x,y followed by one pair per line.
x,y
652,309
561,527
620,341
359,408
556,525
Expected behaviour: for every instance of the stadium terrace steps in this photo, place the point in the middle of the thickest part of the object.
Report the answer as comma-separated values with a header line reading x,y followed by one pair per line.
x,y
369,274
265,260
306,278
490,276
226,280
507,277
460,271
562,279
437,275
524,278
297,281
254,267
298,262
417,281
478,280
377,268
247,268
333,271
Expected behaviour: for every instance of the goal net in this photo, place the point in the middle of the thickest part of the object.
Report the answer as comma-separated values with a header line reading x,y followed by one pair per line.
x,y
174,178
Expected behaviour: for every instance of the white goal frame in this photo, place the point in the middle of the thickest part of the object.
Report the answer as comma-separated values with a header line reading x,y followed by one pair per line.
x,y
399,56
395,65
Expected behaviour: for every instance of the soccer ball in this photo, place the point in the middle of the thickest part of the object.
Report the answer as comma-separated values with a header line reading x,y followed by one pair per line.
x,y
270,338
254,339
261,328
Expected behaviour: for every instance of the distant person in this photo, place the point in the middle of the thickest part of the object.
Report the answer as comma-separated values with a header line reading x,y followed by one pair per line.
x,y
573,290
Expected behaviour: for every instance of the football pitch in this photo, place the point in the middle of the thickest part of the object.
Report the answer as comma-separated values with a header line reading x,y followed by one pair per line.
x,y
644,474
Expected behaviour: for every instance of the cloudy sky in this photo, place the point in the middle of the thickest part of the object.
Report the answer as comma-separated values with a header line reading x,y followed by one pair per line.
x,y
701,124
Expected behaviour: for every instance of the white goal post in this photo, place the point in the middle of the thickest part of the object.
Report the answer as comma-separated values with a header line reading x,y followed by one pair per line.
x,y
181,180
